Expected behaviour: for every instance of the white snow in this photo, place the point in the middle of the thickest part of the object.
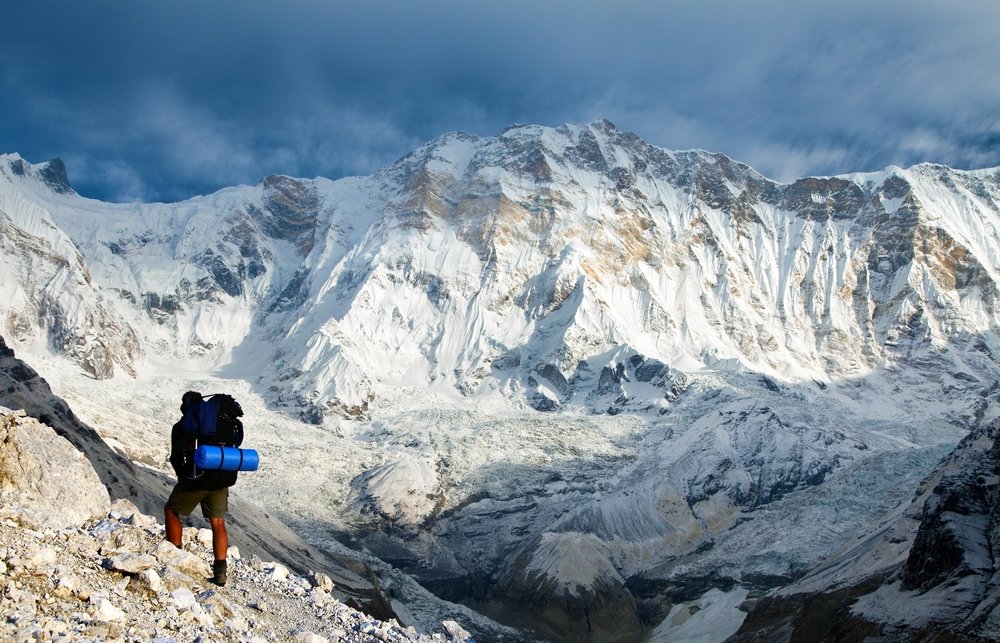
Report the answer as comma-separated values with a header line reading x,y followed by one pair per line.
x,y
712,618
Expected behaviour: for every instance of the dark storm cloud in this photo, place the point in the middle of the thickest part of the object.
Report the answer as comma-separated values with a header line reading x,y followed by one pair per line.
x,y
148,100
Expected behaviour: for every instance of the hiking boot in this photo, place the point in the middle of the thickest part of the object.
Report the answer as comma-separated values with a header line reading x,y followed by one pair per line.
x,y
219,572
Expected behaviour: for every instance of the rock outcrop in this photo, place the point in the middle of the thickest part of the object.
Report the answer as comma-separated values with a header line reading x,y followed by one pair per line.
x,y
566,589
42,482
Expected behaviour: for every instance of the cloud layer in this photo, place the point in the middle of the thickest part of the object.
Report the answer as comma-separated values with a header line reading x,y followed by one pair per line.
x,y
159,101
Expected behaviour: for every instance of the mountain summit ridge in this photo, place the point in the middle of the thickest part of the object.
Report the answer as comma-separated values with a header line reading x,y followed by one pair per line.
x,y
585,233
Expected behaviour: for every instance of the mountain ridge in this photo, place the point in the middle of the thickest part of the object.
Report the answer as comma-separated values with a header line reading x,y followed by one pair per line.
x,y
288,210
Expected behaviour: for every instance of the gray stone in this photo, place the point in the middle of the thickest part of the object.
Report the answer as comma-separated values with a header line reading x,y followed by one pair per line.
x,y
172,579
276,572
204,537
129,563
213,601
455,632
107,612
183,599
41,560
83,544
322,582
124,539
150,581
127,513
236,628
183,561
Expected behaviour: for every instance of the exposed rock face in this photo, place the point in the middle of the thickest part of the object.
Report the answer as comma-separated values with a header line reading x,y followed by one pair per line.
x,y
956,527
292,208
44,481
564,587
22,388
48,276
54,175
767,457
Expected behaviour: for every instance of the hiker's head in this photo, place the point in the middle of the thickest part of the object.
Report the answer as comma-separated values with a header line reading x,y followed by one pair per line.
x,y
189,399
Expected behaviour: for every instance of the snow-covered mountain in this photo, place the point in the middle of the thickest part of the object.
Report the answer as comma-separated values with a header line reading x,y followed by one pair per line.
x,y
586,376
539,264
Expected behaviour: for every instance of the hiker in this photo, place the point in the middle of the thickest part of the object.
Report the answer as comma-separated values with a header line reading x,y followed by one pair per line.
x,y
210,489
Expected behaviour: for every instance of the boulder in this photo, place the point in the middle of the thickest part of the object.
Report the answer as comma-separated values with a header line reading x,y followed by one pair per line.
x,y
124,511
213,601
123,539
130,563
106,612
183,599
276,572
44,481
149,581
42,560
322,582
171,579
183,561
456,632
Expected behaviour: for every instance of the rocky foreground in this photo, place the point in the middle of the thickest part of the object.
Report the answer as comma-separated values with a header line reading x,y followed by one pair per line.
x,y
76,566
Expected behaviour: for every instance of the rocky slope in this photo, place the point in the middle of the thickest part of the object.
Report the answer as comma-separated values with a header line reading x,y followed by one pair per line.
x,y
75,566
258,532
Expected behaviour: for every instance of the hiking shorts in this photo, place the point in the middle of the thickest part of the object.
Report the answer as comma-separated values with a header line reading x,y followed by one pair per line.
x,y
214,502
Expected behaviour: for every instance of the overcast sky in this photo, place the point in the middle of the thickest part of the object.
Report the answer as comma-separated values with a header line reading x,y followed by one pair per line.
x,y
162,100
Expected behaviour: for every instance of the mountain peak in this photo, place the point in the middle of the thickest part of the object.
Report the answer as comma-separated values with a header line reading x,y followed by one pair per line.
x,y
604,125
54,175
51,173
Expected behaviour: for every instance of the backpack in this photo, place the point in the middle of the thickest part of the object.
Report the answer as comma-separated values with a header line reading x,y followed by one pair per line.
x,y
214,420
